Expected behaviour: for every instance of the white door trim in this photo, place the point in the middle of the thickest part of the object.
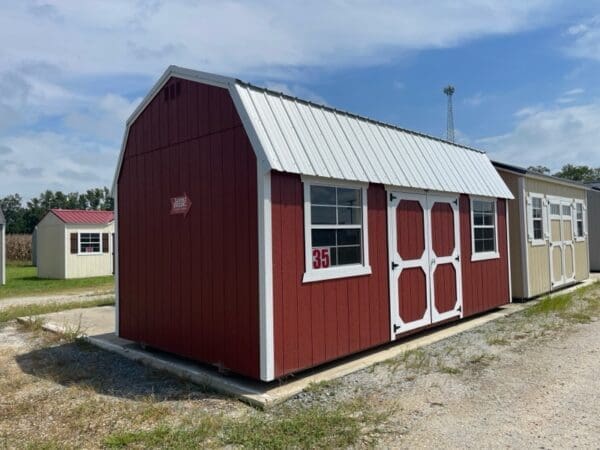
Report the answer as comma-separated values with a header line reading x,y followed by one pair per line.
x,y
397,264
453,259
428,261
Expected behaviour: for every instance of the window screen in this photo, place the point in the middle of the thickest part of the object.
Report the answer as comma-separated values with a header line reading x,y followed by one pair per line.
x,y
89,243
336,226
538,222
484,226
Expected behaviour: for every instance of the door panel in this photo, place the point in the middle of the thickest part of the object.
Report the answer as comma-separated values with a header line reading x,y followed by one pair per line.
x,y
561,251
424,243
410,229
445,257
444,281
412,284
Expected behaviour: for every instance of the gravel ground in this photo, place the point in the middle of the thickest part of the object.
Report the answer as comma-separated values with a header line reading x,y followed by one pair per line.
x,y
72,395
521,381
518,382
80,296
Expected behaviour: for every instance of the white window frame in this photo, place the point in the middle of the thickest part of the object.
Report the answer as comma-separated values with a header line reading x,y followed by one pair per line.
x,y
530,219
483,256
576,235
345,271
79,252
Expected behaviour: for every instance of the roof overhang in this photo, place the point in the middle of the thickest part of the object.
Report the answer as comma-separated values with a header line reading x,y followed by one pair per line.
x,y
539,176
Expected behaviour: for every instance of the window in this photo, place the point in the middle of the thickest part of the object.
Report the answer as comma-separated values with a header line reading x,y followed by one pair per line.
x,y
554,209
483,224
537,217
89,243
566,210
580,230
335,231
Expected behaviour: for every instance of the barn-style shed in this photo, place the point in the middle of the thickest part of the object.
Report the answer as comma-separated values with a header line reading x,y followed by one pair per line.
x,y
2,249
593,201
549,231
75,244
253,228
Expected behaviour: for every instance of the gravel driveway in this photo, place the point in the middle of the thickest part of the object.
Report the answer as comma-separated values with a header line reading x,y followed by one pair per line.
x,y
546,395
520,382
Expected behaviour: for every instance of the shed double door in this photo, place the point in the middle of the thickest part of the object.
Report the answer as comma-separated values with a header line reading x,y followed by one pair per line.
x,y
562,250
424,258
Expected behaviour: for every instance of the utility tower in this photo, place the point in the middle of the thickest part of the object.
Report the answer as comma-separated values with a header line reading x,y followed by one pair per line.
x,y
449,90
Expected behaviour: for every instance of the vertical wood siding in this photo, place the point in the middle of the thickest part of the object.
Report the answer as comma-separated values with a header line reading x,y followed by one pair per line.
x,y
485,283
189,285
320,321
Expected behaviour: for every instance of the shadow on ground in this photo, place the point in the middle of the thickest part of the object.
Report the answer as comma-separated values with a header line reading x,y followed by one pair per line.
x,y
83,365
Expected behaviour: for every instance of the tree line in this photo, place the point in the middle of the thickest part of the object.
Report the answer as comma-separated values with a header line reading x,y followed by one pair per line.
x,y
21,218
583,174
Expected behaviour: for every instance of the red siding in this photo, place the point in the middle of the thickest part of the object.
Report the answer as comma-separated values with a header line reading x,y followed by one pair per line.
x,y
485,283
320,321
189,285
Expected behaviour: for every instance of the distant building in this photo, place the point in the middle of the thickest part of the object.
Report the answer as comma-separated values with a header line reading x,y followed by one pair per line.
x,y
548,231
75,244
593,199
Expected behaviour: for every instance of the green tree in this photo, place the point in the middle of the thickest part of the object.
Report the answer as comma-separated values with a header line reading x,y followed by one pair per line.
x,y
579,173
539,169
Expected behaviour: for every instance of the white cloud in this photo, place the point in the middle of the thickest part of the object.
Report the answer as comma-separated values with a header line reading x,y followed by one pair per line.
x,y
551,137
585,39
53,53
47,160
241,36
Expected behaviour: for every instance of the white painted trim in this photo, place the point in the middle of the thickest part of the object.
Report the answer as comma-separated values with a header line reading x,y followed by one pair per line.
x,y
116,260
536,242
523,237
397,325
265,266
510,296
345,271
484,256
578,238
454,258
80,253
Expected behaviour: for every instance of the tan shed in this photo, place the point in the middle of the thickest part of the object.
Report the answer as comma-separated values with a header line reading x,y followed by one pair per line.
x,y
75,244
549,246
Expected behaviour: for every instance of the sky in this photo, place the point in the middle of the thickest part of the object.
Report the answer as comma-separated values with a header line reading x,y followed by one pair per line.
x,y
526,73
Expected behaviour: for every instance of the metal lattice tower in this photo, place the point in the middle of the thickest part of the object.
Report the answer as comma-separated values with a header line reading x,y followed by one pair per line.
x,y
449,90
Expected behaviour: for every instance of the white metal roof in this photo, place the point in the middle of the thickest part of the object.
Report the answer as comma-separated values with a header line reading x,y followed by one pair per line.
x,y
292,135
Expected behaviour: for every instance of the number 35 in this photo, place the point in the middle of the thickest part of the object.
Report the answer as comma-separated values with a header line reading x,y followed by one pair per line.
x,y
320,258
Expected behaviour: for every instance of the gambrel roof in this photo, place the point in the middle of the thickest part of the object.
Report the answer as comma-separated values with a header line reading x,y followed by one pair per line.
x,y
293,135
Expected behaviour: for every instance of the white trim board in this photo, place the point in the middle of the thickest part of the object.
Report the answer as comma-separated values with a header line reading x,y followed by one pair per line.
x,y
265,276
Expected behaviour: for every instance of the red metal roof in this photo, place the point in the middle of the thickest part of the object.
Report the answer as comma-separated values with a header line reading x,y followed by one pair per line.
x,y
82,216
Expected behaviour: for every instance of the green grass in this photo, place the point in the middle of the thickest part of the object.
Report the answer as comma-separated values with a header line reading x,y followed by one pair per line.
x,y
313,427
550,305
13,312
22,281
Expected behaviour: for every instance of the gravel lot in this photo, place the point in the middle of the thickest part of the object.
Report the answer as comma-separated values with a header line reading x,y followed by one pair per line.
x,y
525,380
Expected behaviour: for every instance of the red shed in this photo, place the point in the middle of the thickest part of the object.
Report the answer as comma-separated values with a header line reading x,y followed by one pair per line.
x,y
265,234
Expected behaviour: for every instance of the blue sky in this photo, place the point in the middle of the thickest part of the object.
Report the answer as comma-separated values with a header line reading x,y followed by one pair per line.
x,y
526,73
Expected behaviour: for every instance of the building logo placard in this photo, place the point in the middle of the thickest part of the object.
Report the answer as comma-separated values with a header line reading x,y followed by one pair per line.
x,y
180,205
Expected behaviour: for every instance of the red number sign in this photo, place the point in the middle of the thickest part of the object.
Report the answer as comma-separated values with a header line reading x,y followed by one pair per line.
x,y
321,258
181,205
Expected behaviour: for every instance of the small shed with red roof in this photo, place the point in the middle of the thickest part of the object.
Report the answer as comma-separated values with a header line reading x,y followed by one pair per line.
x,y
75,244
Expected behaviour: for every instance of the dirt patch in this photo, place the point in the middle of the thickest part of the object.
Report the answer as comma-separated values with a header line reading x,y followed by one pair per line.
x,y
526,379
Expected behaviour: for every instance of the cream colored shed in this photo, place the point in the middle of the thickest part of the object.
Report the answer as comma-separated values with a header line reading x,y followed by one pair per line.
x,y
549,246
2,249
75,244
